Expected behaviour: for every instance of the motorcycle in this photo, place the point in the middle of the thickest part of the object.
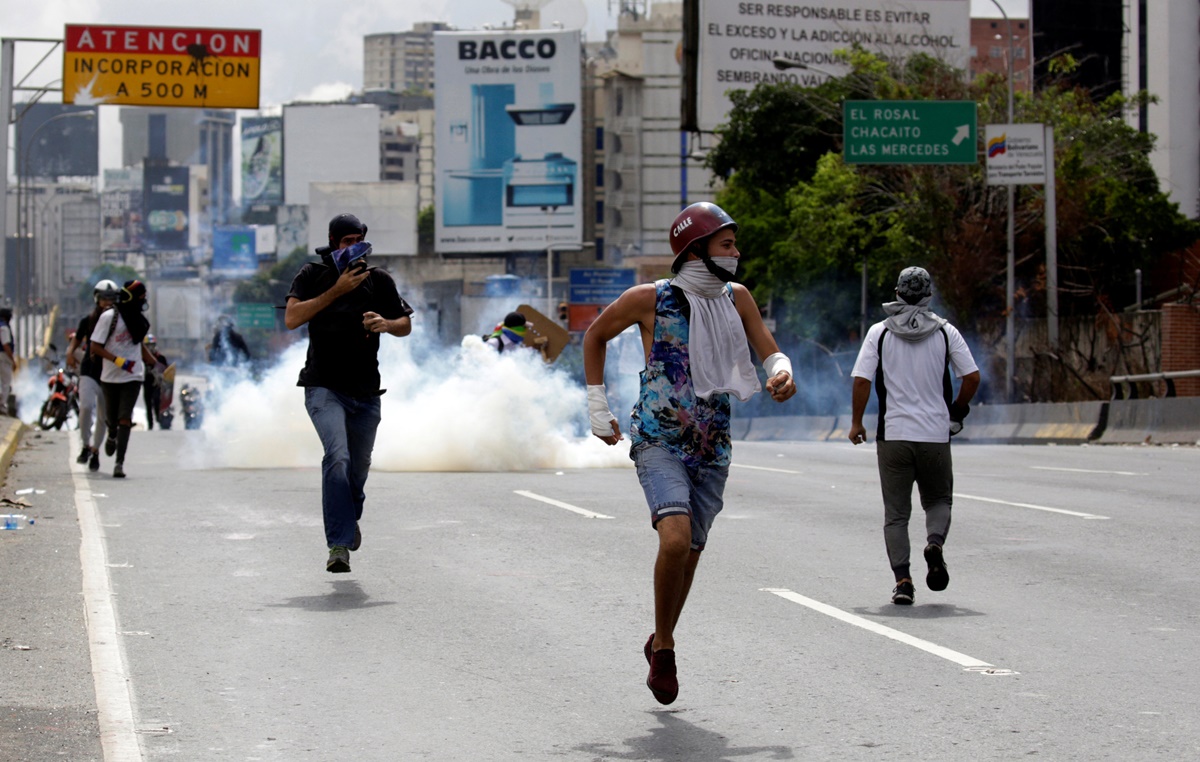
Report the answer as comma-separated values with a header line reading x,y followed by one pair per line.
x,y
63,400
191,403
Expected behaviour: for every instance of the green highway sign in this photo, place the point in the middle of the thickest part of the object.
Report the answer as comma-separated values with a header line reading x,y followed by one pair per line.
x,y
909,132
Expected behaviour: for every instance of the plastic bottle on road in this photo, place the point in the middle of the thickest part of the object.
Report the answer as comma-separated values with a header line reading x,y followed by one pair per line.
x,y
12,520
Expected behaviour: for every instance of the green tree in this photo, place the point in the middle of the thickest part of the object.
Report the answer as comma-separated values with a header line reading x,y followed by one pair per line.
x,y
807,221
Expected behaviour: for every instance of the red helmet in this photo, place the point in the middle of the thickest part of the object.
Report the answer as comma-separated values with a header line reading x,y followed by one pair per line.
x,y
697,221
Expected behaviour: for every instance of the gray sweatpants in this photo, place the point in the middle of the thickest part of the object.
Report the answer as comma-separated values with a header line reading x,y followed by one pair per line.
x,y
901,464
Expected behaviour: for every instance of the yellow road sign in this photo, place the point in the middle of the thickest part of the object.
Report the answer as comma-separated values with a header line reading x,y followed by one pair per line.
x,y
160,66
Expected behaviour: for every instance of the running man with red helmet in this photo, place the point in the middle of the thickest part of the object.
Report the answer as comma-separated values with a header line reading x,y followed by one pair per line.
x,y
697,330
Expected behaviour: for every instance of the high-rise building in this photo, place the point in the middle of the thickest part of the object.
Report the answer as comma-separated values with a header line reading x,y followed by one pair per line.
x,y
991,51
401,61
185,137
1160,47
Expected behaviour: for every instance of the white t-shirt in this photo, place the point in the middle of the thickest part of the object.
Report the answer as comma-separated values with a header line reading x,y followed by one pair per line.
x,y
914,403
120,344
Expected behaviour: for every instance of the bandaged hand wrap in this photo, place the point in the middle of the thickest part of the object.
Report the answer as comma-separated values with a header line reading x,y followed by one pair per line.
x,y
601,417
777,362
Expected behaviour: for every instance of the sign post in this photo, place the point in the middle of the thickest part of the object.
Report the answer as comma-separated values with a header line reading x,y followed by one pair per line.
x,y
909,132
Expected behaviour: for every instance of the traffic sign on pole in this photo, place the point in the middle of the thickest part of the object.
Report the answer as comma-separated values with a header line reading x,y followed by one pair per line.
x,y
909,132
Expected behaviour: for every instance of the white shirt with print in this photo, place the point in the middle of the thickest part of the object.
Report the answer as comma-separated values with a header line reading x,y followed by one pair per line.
x,y
120,344
912,372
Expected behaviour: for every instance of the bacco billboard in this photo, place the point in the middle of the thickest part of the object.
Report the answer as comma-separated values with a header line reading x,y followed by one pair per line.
x,y
738,40
508,140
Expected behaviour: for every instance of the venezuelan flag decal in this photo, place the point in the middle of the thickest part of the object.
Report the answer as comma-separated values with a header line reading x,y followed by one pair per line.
x,y
158,66
997,146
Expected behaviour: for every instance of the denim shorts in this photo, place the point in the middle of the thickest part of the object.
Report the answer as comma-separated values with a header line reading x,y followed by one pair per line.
x,y
673,488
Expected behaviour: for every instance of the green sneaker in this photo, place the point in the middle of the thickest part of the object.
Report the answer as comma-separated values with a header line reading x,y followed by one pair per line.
x,y
339,560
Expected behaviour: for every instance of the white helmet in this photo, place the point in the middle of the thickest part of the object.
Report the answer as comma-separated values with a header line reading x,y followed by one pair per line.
x,y
106,289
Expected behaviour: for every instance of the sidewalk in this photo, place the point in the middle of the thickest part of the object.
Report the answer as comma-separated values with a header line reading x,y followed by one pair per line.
x,y
47,694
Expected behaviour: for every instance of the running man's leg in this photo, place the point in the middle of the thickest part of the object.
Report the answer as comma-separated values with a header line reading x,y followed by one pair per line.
x,y
897,473
935,483
327,411
362,421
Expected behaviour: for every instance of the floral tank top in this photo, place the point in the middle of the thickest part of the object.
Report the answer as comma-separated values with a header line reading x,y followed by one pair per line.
x,y
668,413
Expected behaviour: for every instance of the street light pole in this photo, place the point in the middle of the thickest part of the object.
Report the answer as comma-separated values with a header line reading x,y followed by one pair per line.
x,y
1010,339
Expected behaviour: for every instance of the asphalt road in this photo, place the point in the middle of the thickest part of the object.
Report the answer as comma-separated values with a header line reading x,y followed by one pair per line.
x,y
489,616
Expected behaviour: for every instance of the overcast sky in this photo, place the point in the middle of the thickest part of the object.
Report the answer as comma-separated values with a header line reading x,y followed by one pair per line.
x,y
312,49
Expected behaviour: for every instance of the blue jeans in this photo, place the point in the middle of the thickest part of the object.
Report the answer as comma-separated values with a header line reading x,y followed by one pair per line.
x,y
346,426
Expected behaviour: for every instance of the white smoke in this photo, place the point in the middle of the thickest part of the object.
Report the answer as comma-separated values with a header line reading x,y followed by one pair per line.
x,y
467,408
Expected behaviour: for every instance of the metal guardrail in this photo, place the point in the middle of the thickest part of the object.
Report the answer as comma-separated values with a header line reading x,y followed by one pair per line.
x,y
1132,381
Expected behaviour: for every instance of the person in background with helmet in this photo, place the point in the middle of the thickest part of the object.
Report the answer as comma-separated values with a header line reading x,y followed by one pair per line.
x,y
8,359
697,330
228,347
81,360
346,305
117,340
909,355
152,384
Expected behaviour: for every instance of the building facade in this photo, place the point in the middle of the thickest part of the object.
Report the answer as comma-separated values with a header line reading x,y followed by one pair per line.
x,y
401,61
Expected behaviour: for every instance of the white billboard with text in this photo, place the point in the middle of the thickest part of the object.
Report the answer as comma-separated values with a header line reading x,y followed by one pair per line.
x,y
739,39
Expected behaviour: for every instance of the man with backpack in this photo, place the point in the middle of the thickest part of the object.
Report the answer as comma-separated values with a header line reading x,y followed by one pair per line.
x,y
117,340
909,356
80,359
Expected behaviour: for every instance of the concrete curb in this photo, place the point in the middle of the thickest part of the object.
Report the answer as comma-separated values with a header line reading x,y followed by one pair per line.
x,y
11,428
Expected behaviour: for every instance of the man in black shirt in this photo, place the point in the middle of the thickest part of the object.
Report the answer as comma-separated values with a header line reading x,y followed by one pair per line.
x,y
346,306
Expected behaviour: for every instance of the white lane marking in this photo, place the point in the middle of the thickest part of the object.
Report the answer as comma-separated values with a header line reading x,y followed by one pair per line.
x,y
764,468
967,662
114,704
560,504
1089,471
1034,507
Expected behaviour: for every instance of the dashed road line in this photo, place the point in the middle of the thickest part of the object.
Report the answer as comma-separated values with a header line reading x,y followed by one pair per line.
x,y
1089,471
1063,511
764,468
560,504
968,663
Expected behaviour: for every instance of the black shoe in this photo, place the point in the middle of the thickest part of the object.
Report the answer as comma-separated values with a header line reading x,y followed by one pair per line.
x,y
110,446
937,578
357,542
903,593
119,471
662,681
84,454
339,560
94,462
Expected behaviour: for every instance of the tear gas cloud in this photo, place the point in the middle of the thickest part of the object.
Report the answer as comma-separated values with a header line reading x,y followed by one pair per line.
x,y
465,408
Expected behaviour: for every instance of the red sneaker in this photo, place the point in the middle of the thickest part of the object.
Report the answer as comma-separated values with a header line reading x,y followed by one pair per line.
x,y
649,647
662,681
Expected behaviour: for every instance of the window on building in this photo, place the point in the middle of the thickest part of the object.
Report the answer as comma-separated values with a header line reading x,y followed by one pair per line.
x,y
996,52
1019,52
599,212
599,138
599,175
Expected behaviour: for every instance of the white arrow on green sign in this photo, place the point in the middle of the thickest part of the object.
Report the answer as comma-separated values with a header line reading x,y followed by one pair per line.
x,y
909,132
